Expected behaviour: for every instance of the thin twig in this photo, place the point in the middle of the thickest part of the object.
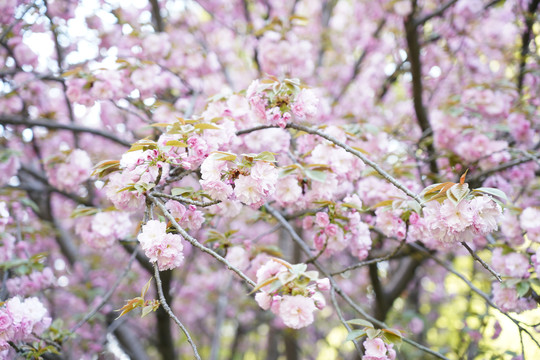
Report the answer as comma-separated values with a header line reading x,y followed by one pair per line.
x,y
170,312
19,121
484,264
358,154
185,200
197,244
345,147
303,246
473,288
343,321
371,261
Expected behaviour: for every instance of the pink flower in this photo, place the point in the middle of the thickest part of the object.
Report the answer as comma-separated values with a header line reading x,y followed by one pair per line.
x,y
321,219
287,191
323,284
507,299
158,246
529,222
375,349
5,324
123,199
296,311
513,264
486,214
176,209
8,168
217,189
248,190
264,300
266,175
390,223
306,104
268,270
238,257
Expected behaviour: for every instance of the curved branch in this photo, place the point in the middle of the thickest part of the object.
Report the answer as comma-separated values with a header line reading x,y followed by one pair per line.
x,y
197,244
20,121
303,246
171,314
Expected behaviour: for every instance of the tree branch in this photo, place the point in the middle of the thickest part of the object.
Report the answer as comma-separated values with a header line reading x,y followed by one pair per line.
x,y
416,72
525,41
20,121
303,246
197,244
168,310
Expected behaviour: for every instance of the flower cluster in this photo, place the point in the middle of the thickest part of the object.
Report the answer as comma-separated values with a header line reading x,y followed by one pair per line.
x,y
28,284
507,298
450,222
189,218
160,246
20,320
276,102
529,222
68,173
104,228
250,181
340,228
377,349
287,292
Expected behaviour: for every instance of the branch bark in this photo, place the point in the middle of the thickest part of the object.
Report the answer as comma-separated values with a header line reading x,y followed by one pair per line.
x,y
20,121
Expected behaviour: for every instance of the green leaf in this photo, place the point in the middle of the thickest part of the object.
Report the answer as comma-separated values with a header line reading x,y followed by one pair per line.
x,y
146,310
30,203
522,288
143,144
373,333
175,143
180,191
492,191
458,192
106,167
355,334
285,277
360,322
315,175
81,211
266,156
146,287
226,156
206,126
393,335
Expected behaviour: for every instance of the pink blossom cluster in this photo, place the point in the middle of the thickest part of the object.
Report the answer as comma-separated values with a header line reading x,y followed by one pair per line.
x,y
513,264
29,284
189,218
104,229
345,229
277,103
506,297
140,171
9,165
289,294
190,157
69,174
449,223
160,246
390,222
377,349
250,182
529,223
21,320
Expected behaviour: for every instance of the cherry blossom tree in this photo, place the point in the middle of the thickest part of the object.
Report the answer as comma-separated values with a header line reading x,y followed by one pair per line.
x,y
264,179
